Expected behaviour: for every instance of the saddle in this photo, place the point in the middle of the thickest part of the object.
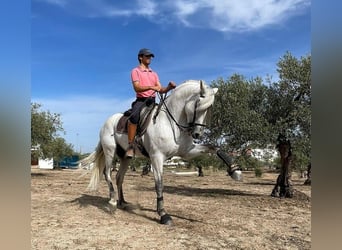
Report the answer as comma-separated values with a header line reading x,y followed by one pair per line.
x,y
145,118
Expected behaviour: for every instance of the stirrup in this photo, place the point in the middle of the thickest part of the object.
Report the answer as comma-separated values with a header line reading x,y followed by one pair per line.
x,y
130,151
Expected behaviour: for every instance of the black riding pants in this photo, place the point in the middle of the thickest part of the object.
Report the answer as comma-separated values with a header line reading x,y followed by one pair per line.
x,y
137,106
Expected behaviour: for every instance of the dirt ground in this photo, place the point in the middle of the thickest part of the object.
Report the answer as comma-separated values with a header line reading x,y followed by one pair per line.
x,y
210,212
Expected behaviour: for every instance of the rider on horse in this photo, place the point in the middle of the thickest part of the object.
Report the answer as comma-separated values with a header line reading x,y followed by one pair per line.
x,y
146,84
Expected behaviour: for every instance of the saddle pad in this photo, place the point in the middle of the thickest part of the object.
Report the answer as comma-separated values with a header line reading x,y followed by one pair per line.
x,y
122,125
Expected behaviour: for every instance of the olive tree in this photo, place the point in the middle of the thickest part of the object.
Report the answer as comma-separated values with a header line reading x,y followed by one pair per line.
x,y
44,134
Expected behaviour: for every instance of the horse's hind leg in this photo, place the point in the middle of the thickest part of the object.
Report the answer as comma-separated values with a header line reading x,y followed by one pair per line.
x,y
124,162
107,174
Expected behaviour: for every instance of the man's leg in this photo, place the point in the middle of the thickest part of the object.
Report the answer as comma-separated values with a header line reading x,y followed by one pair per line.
x,y
132,128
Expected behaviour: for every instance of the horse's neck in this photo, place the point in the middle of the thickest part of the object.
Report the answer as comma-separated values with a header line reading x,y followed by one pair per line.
x,y
176,102
176,108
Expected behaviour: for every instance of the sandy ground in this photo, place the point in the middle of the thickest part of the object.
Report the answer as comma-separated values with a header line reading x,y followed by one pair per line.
x,y
210,212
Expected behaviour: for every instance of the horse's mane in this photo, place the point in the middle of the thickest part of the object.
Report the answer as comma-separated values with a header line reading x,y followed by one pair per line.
x,y
190,84
190,88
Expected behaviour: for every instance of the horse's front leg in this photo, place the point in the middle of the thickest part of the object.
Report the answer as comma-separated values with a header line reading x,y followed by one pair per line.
x,y
157,166
194,150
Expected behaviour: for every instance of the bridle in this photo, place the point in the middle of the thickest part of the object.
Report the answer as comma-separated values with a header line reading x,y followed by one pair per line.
x,y
190,126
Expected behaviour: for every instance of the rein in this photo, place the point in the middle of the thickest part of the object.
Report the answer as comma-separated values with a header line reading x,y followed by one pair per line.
x,y
182,127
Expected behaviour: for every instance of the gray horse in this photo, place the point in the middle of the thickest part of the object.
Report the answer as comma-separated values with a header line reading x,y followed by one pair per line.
x,y
181,119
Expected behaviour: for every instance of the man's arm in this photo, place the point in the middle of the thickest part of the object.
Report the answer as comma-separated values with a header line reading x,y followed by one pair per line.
x,y
138,88
170,86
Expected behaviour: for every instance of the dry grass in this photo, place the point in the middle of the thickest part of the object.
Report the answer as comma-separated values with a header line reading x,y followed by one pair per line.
x,y
210,212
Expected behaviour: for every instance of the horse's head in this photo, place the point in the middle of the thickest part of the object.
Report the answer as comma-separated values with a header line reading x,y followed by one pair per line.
x,y
197,109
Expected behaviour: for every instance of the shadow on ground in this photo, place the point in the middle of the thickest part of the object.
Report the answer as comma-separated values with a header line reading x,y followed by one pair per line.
x,y
194,191
37,174
102,203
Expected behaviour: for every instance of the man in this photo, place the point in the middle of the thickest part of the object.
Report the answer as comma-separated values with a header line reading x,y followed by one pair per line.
x,y
145,83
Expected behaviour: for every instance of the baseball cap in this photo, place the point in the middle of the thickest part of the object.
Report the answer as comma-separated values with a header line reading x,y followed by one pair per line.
x,y
145,52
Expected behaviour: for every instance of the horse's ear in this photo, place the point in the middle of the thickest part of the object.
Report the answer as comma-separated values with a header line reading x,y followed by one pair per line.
x,y
202,89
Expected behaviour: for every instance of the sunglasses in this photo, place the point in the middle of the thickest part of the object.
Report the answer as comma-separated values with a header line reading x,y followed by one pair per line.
x,y
147,56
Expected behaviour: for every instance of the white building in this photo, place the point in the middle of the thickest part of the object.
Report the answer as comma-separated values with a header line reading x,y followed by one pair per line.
x,y
268,154
42,163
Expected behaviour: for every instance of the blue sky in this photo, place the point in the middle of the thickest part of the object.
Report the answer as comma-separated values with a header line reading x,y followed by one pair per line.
x,y
83,50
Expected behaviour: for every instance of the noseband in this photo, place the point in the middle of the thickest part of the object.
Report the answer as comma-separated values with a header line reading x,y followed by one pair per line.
x,y
193,123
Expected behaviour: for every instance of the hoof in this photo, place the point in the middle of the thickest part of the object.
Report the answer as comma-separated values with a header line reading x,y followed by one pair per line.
x,y
236,175
112,203
111,208
123,205
166,220
275,195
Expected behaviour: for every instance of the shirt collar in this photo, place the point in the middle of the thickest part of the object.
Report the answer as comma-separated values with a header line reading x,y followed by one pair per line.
x,y
144,70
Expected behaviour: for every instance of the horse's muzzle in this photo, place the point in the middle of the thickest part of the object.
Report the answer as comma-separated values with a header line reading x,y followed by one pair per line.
x,y
197,132
196,135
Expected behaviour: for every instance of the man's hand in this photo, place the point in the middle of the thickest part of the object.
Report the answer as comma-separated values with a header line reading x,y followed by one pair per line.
x,y
171,85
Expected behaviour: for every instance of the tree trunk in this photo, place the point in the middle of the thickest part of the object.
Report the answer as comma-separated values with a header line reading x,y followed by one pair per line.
x,y
283,186
308,180
200,172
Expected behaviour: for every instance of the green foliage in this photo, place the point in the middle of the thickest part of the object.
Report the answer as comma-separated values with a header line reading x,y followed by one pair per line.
x,y
277,163
59,149
136,162
258,172
246,162
238,112
289,110
249,112
206,161
44,134
300,160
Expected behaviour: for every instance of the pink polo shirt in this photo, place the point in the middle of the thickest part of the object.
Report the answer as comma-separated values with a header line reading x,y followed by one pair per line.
x,y
146,77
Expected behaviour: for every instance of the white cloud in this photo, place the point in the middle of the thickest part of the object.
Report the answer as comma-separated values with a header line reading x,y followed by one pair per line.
x,y
237,16
146,7
223,16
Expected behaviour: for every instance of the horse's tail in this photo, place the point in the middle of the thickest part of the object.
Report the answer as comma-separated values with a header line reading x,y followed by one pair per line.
x,y
88,160
97,171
